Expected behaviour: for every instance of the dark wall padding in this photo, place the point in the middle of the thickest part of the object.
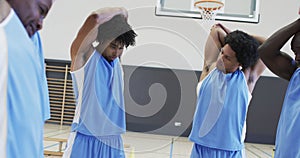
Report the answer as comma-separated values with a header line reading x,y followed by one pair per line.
x,y
156,99
264,109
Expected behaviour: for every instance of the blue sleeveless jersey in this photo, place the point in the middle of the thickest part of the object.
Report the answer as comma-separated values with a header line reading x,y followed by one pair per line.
x,y
220,117
26,107
43,79
287,138
98,88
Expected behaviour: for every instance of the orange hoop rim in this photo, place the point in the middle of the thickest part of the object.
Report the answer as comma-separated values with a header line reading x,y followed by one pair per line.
x,y
219,5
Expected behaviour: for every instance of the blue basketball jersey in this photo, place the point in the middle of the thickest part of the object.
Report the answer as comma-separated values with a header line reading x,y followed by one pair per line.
x,y
220,116
43,79
287,138
26,107
98,88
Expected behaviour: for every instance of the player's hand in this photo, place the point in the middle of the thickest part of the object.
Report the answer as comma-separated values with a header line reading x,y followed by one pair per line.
x,y
105,14
223,28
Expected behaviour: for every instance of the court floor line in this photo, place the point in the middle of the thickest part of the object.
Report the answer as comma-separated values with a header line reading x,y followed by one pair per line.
x,y
49,146
261,150
251,152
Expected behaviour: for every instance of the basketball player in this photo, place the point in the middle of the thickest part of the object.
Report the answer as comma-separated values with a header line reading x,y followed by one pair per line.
x,y
98,85
26,106
287,138
231,69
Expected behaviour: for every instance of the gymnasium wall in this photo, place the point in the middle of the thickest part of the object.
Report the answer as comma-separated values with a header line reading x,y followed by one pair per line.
x,y
166,42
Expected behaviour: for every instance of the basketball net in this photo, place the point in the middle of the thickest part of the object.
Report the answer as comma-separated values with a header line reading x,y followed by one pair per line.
x,y
208,9
208,15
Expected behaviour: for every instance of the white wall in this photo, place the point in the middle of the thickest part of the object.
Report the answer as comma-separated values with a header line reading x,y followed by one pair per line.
x,y
163,41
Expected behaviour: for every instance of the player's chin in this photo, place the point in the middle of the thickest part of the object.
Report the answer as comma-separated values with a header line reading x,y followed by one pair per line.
x,y
220,66
112,58
30,30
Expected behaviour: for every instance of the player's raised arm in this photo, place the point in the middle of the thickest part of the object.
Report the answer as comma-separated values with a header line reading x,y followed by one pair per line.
x,y
214,43
277,61
82,46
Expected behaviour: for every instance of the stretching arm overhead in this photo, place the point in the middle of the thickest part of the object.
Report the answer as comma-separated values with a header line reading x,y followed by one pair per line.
x,y
82,46
277,61
214,43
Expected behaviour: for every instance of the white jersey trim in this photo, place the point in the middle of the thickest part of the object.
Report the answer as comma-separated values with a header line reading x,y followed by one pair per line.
x,y
8,18
3,92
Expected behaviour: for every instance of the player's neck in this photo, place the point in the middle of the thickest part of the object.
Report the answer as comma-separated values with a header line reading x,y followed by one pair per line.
x,y
4,10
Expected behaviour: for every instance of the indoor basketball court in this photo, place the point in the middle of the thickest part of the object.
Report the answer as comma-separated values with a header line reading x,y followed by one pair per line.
x,y
162,71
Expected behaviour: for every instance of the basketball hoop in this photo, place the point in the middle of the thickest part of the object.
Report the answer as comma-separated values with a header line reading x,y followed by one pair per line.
x,y
208,8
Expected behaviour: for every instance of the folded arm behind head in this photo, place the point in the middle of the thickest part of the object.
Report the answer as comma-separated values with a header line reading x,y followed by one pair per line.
x,y
82,46
279,62
116,29
214,43
253,72
113,36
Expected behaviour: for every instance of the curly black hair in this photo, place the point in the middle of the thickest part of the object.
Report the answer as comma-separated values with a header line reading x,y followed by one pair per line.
x,y
117,29
245,47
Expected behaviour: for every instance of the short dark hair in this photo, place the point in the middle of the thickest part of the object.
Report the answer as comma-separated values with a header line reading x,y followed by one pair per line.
x,y
117,29
245,47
